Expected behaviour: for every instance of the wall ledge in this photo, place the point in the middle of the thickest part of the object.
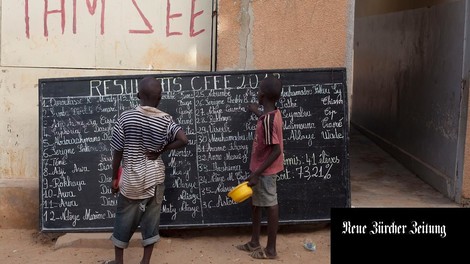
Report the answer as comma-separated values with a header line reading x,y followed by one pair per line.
x,y
24,183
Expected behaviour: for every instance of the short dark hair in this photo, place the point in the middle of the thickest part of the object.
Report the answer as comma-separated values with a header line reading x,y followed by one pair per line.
x,y
272,87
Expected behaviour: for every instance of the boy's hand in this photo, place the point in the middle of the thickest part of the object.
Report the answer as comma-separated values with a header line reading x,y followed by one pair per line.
x,y
254,108
253,179
153,155
115,186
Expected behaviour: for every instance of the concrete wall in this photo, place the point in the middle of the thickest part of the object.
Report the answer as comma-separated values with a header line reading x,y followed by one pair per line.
x,y
466,126
257,34
408,77
283,34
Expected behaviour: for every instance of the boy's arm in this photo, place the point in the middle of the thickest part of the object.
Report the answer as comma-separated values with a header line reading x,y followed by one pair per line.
x,y
180,141
254,177
117,157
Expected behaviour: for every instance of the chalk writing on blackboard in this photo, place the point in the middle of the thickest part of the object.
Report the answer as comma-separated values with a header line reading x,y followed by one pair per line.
x,y
77,116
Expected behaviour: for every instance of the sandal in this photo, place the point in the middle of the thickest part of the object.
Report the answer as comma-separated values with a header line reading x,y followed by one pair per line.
x,y
261,254
247,247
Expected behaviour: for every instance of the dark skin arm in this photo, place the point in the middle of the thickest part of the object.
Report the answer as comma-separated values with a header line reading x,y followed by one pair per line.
x,y
255,109
180,141
254,177
117,157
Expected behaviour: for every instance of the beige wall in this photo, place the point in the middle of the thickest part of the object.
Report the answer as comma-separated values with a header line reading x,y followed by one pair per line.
x,y
257,34
283,34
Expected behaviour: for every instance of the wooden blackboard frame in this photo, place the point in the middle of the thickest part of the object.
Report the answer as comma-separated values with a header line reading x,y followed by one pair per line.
x,y
338,74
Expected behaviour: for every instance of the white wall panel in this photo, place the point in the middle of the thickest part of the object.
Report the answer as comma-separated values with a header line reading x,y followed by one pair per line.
x,y
115,34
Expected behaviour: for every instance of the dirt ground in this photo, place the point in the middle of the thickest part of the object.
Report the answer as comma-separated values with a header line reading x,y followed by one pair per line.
x,y
209,245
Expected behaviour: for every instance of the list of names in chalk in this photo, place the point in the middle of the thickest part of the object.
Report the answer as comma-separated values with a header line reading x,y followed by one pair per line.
x,y
76,155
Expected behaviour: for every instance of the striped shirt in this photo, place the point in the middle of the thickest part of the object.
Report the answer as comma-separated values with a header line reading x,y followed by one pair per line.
x,y
135,132
268,133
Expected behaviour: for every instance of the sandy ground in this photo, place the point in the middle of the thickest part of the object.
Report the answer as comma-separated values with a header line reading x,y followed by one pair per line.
x,y
210,245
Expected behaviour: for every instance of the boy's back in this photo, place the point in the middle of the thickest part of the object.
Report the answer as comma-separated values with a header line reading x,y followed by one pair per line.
x,y
137,131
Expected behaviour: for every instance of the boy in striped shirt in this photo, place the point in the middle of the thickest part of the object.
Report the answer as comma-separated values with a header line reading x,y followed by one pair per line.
x,y
140,135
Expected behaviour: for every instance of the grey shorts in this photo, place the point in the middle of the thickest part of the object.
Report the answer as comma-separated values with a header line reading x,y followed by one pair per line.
x,y
265,192
131,214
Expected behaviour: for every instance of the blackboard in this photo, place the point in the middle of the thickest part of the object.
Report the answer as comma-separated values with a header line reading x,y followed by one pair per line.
x,y
76,119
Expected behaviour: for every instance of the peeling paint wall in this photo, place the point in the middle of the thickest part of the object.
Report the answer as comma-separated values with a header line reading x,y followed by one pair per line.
x,y
408,94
